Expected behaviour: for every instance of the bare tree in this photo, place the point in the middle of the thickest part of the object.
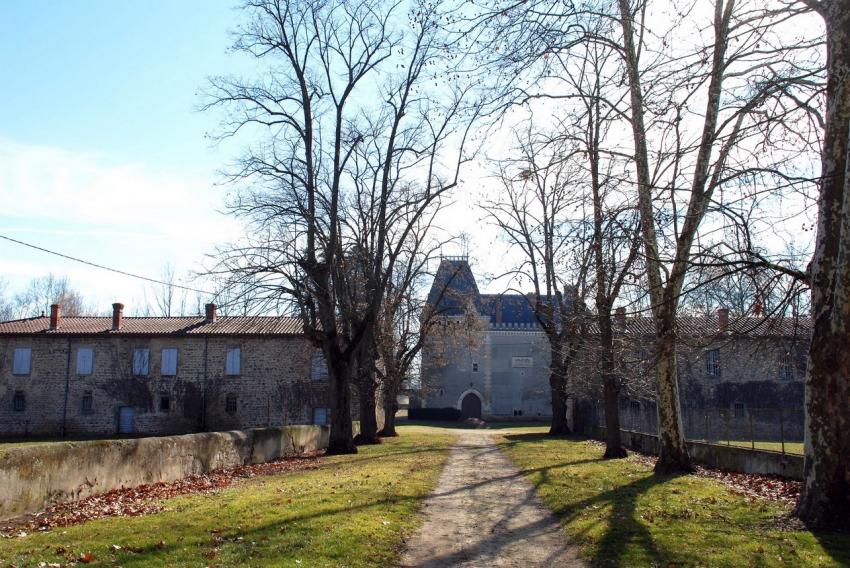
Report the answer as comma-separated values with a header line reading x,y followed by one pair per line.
x,y
43,291
720,110
826,490
533,214
7,307
347,79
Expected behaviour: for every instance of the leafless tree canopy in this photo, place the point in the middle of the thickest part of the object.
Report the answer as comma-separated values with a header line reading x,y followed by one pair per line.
x,y
355,137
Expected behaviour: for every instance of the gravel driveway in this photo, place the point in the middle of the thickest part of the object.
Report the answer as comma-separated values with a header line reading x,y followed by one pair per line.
x,y
484,513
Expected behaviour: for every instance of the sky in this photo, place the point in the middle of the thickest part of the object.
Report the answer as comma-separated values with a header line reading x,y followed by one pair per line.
x,y
103,154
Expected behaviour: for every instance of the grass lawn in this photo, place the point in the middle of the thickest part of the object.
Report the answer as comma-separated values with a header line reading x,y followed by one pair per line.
x,y
790,447
352,511
620,514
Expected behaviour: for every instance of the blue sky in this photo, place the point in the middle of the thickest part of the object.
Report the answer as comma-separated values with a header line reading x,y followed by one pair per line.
x,y
102,151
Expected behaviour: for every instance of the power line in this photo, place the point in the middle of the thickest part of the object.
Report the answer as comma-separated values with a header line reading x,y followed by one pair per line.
x,y
102,267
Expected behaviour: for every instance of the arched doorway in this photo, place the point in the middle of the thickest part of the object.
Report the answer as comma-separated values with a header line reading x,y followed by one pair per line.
x,y
470,406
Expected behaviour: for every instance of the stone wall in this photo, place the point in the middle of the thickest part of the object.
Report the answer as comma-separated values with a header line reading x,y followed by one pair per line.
x,y
33,477
275,387
716,456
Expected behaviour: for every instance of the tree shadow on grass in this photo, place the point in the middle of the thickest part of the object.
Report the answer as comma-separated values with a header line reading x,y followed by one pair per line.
x,y
835,543
623,527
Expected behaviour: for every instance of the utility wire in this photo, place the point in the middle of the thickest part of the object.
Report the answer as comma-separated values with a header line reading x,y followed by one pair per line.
x,y
130,274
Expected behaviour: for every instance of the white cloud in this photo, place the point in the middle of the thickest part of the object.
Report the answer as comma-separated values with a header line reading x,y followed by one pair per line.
x,y
118,214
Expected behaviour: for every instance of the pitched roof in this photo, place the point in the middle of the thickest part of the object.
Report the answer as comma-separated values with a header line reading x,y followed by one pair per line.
x,y
196,325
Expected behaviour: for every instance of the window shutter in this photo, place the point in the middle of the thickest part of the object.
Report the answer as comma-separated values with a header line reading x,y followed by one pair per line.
x,y
232,362
319,367
169,362
141,362
84,361
21,363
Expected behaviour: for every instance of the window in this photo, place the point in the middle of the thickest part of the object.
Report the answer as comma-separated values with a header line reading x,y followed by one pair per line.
x,y
85,359
233,363
318,367
165,403
87,406
521,362
474,367
634,406
230,403
739,409
712,363
22,360
320,416
19,401
786,368
141,361
169,362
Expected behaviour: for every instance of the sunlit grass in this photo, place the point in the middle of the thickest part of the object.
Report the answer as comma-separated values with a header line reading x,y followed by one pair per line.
x,y
353,511
620,514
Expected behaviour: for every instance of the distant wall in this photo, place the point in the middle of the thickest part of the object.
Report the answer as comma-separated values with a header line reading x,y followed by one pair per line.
x,y
716,456
33,477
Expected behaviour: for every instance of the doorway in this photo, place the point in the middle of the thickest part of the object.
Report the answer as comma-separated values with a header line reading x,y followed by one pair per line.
x,y
470,407
126,420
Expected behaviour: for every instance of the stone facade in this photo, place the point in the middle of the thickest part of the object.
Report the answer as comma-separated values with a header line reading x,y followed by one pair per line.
x,y
747,368
277,382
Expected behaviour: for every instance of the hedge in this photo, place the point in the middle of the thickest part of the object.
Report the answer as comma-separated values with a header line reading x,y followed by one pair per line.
x,y
447,413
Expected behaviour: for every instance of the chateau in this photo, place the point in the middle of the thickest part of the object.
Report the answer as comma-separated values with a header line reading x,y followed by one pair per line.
x,y
501,370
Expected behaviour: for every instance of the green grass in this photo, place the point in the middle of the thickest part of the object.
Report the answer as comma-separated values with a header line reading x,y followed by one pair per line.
x,y
352,511
790,447
620,514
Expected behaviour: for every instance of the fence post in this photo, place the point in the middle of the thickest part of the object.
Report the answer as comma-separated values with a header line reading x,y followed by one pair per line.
x,y
782,429
752,433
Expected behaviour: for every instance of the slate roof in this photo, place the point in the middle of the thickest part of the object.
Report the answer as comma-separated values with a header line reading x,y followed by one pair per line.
x,y
454,287
196,325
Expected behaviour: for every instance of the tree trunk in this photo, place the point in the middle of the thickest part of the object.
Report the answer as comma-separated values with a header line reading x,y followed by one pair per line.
x,y
557,384
611,388
340,440
614,443
825,500
390,408
368,421
673,451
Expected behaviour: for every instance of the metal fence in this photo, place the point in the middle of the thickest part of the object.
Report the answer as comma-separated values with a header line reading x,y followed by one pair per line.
x,y
774,429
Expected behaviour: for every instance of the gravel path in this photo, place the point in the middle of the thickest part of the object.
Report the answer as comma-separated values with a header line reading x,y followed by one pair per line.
x,y
484,513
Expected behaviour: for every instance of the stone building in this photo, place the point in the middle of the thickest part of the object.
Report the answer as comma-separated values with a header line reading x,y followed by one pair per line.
x,y
745,367
88,376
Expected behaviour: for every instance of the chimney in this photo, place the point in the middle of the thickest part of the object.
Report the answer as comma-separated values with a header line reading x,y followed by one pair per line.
x,y
210,313
620,316
722,319
55,315
117,316
498,309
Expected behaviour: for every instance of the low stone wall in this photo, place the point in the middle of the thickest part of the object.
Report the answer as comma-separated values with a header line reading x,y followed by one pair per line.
x,y
730,458
33,477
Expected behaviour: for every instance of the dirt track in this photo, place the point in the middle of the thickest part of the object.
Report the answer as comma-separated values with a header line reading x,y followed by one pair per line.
x,y
484,513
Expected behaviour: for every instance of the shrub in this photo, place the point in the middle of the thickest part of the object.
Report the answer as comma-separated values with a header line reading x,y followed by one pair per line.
x,y
447,413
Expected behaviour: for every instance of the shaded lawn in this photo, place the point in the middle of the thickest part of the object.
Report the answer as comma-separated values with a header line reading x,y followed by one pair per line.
x,y
620,514
352,511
